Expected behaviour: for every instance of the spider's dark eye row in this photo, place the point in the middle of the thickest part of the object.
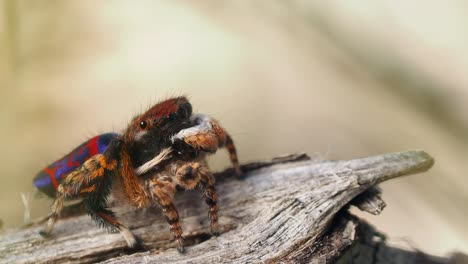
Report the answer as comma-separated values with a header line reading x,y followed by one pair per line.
x,y
172,116
185,110
143,124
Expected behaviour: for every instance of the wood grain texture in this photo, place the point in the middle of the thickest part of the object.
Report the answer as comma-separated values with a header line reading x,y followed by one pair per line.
x,y
281,211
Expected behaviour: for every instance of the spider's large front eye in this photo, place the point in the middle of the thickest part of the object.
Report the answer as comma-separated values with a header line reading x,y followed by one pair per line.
x,y
143,124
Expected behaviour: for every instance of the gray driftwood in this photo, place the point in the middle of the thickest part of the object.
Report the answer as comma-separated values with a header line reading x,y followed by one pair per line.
x,y
290,209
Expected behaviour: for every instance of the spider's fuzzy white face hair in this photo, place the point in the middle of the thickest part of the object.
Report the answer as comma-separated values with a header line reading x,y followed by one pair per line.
x,y
139,135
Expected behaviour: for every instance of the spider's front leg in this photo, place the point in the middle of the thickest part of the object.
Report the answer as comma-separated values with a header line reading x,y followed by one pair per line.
x,y
206,135
192,174
163,189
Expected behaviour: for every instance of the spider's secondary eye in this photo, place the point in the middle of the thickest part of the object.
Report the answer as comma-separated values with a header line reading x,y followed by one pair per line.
x,y
172,116
143,124
185,110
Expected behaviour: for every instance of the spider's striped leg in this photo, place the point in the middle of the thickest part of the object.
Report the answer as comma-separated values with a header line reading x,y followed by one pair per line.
x,y
163,190
57,207
231,148
207,184
193,174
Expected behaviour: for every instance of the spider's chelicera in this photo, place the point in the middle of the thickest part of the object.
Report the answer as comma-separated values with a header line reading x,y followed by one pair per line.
x,y
160,150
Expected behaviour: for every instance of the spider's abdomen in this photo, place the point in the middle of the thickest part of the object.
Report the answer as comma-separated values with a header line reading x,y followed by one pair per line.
x,y
48,179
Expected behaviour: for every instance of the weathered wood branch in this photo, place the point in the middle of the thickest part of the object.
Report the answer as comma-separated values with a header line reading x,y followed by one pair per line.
x,y
283,210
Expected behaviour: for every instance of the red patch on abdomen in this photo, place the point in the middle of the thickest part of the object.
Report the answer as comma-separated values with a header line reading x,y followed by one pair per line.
x,y
51,172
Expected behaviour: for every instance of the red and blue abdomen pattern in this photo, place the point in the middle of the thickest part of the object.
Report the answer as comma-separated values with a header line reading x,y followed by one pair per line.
x,y
48,179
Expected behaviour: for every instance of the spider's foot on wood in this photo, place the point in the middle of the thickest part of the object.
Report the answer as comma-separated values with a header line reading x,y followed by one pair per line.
x,y
136,247
181,248
44,234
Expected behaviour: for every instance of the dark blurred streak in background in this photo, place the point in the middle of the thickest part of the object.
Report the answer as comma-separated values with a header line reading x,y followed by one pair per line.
x,y
338,80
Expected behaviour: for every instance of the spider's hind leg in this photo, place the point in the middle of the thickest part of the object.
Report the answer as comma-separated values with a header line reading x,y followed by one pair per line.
x,y
231,148
106,218
57,208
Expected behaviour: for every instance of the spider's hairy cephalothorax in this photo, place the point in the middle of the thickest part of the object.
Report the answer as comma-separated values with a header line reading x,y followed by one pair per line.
x,y
151,132
160,150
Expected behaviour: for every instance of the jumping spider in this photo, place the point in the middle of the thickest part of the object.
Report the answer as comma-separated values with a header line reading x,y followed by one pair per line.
x,y
161,149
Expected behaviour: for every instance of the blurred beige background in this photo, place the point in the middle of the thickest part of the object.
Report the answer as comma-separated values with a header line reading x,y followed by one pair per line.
x,y
337,79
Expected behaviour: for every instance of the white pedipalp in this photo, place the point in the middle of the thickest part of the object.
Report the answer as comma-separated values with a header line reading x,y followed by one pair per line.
x,y
163,155
202,124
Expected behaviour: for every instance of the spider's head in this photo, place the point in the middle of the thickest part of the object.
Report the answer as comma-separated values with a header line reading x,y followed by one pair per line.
x,y
151,131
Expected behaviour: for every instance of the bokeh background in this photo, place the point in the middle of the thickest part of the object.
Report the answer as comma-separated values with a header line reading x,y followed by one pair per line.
x,y
336,79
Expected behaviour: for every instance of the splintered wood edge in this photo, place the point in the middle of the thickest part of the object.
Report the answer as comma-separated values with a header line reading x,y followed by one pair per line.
x,y
279,211
370,201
